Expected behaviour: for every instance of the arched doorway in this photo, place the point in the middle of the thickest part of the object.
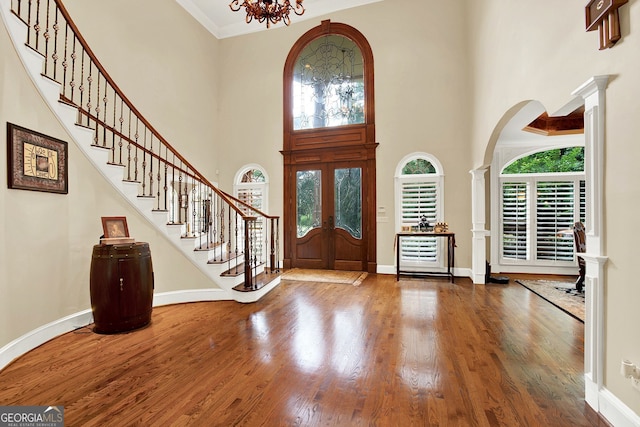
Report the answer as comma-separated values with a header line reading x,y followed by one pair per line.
x,y
329,151
591,95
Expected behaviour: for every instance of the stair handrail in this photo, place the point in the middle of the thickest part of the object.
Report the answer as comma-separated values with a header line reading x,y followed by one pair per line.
x,y
248,206
132,117
121,94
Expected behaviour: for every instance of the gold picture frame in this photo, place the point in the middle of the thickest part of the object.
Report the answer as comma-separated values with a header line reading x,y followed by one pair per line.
x,y
115,227
441,227
35,161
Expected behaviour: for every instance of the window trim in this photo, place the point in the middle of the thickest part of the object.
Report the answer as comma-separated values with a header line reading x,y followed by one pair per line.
x,y
505,154
438,179
531,181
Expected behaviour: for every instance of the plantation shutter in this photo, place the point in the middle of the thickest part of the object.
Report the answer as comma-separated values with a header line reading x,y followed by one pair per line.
x,y
543,196
555,207
253,196
419,198
514,220
583,201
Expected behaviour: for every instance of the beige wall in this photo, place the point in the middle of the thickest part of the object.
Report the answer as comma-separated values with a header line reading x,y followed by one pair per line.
x,y
165,63
46,239
540,51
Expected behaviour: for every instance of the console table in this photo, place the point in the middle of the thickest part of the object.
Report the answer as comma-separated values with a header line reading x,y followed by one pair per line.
x,y
451,244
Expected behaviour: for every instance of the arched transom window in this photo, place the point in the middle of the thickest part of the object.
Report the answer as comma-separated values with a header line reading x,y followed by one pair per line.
x,y
328,84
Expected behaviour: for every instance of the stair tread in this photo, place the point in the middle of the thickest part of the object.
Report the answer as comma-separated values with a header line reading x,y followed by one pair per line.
x,y
223,260
237,270
210,246
259,282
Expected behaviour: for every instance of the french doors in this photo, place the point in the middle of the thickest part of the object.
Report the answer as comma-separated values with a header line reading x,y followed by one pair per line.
x,y
327,208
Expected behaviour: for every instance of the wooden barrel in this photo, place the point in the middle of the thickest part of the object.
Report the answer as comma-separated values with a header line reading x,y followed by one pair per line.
x,y
121,287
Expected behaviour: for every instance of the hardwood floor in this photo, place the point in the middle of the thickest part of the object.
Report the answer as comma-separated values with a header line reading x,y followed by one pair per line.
x,y
409,353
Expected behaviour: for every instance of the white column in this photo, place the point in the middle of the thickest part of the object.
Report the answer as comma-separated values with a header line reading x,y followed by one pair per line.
x,y
593,93
478,217
594,328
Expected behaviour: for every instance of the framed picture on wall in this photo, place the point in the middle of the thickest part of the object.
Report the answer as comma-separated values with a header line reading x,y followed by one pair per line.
x,y
35,161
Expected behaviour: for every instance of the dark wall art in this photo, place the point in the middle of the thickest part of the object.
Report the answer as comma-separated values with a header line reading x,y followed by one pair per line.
x,y
35,161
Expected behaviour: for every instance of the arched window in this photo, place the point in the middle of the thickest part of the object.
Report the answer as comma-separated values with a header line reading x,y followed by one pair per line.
x,y
251,186
328,84
419,192
542,196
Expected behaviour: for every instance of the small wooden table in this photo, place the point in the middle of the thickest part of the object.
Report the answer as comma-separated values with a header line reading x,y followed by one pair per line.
x,y
121,287
451,244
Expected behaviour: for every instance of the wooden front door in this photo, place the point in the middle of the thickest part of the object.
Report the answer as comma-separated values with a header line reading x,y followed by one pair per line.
x,y
329,151
327,206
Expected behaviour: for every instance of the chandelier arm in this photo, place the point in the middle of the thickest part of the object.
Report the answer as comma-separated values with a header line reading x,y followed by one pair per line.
x,y
235,5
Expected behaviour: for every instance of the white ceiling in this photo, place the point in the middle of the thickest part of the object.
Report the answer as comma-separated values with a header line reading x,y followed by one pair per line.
x,y
222,22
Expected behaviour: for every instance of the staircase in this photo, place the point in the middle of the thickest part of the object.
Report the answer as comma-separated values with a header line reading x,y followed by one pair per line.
x,y
231,242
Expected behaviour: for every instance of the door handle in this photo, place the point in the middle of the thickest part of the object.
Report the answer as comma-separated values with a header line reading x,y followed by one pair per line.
x,y
331,226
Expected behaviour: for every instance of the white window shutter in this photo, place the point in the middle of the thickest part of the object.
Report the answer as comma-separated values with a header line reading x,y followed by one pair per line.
x,y
253,196
555,206
419,198
514,220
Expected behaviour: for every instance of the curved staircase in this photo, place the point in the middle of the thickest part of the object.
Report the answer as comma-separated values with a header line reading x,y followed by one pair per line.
x,y
231,242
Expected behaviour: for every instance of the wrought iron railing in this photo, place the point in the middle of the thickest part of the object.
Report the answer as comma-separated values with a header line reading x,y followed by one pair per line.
x,y
227,227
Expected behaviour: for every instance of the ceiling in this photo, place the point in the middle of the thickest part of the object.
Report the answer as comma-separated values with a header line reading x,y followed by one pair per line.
x,y
222,22
571,124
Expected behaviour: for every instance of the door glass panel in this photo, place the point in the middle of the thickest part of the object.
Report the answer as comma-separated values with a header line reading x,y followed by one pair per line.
x,y
308,201
348,200
328,84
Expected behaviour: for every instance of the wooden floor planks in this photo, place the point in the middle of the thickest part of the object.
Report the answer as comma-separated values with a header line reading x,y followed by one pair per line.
x,y
386,353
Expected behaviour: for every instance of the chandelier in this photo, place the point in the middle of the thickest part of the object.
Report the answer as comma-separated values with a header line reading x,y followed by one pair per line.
x,y
272,11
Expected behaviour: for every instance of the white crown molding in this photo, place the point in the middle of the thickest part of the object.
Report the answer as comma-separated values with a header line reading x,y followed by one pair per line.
x,y
217,18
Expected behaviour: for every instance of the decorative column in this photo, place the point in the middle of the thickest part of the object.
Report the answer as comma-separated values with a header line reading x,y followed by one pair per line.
x,y
593,93
478,217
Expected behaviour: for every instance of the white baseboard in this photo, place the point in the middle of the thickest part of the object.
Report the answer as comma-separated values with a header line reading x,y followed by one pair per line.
x,y
39,336
615,412
44,333
190,295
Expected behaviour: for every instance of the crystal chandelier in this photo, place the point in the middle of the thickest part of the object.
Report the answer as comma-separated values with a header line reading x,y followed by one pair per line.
x,y
272,11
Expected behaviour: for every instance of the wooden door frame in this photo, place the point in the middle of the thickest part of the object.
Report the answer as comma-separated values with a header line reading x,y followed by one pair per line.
x,y
332,144
332,157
